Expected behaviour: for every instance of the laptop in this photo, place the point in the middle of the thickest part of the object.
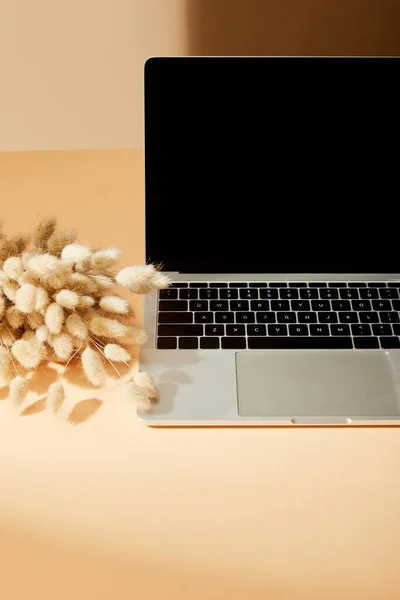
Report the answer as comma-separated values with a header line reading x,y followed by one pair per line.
x,y
271,190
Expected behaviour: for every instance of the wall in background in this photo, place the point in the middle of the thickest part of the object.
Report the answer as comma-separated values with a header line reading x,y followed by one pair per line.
x,y
71,72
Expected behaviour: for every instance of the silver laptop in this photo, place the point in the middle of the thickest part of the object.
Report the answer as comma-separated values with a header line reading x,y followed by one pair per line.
x,y
272,187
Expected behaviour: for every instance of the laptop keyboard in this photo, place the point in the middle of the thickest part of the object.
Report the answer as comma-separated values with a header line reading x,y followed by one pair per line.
x,y
279,315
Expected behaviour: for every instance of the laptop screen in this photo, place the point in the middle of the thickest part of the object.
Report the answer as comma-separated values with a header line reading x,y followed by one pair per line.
x,y
273,165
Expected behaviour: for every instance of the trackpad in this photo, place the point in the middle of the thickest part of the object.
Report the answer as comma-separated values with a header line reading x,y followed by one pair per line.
x,y
315,384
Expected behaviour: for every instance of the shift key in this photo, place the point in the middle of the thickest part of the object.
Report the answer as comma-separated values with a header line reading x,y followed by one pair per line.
x,y
180,330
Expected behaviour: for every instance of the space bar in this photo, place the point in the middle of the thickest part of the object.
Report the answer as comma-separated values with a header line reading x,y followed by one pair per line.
x,y
299,343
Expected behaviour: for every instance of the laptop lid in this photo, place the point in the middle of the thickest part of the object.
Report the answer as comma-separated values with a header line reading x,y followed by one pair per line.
x,y
272,165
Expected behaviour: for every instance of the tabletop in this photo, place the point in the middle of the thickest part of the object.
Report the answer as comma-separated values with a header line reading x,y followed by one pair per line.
x,y
99,506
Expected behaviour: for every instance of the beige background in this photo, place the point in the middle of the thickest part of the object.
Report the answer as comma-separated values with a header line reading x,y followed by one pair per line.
x,y
71,71
100,507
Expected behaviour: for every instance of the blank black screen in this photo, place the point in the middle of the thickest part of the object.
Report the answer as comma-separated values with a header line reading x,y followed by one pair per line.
x,y
272,164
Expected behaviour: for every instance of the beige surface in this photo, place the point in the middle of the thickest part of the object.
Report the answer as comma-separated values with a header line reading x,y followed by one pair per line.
x,y
71,72
109,509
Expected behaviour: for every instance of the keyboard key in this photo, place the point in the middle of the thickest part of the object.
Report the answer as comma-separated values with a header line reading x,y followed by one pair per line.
x,y
288,294
299,343
235,330
172,305
178,285
297,330
265,317
248,294
319,329
306,317
362,343
176,317
228,294
298,284
278,284
258,284
309,294
188,294
233,343
219,305
357,284
348,317
215,330
381,305
391,293
368,317
329,294
349,294
209,343
208,294
389,317
269,294
382,329
256,330
360,305
375,284
201,284
396,305
321,305
396,329
236,284
337,284
340,330
341,305
224,317
280,305
389,342
317,284
361,329
203,317
167,343
218,285
300,305
277,330
180,330
327,317
169,294
394,284
245,317
369,294
187,343
286,317
198,305
258,305
242,305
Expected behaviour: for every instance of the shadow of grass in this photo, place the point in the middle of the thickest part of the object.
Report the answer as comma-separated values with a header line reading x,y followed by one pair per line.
x,y
4,392
84,410
41,379
34,409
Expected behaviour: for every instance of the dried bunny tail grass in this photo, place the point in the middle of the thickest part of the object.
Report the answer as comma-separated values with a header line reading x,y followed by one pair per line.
x,y
49,269
82,284
29,353
15,318
146,384
25,298
27,255
42,299
42,334
103,281
35,320
13,268
75,253
44,230
13,246
18,390
57,242
2,305
28,335
54,318
67,299
62,346
77,327
135,336
55,397
114,304
161,281
10,290
93,366
5,364
3,278
137,279
117,353
138,397
86,302
109,328
104,259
